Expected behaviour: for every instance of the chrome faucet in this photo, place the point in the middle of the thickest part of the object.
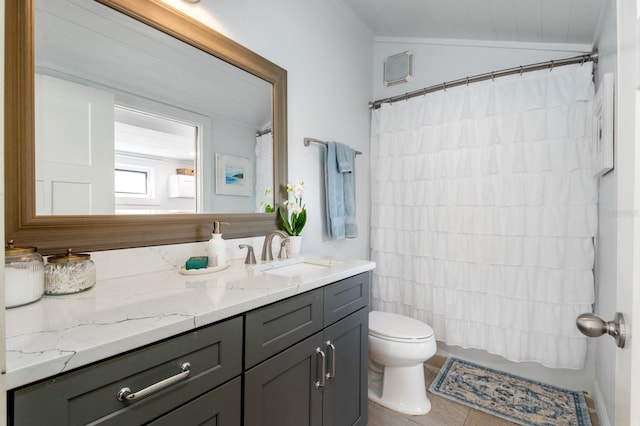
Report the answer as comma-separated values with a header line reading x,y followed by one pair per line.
x,y
267,252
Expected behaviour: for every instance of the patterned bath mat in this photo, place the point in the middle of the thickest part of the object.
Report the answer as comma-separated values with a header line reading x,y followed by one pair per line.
x,y
512,398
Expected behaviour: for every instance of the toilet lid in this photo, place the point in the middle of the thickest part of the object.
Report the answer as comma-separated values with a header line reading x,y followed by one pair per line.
x,y
398,327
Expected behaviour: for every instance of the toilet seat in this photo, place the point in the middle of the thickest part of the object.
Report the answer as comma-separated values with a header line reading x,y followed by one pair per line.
x,y
398,328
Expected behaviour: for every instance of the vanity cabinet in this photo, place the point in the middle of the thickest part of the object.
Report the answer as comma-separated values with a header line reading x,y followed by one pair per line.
x,y
306,358
299,361
211,390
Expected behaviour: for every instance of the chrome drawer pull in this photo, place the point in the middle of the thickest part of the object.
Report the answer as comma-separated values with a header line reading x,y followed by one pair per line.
x,y
125,394
320,383
332,373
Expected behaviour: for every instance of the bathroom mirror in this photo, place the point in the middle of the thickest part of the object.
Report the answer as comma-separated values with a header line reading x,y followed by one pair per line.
x,y
30,61
156,110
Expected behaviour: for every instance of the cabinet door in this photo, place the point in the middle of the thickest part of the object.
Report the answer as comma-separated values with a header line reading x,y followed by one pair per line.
x,y
220,407
345,392
281,391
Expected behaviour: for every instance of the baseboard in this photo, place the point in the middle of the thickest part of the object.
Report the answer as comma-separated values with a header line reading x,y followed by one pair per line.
x,y
601,410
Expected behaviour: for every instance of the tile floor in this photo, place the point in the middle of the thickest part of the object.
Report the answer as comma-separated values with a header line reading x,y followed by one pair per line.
x,y
443,411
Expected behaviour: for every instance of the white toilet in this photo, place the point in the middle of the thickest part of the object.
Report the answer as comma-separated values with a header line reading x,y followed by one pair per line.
x,y
398,345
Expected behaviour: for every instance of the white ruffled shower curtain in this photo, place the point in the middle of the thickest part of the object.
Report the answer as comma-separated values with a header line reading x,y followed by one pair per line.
x,y
484,212
264,171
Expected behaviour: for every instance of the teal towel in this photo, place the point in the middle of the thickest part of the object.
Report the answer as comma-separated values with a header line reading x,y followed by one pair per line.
x,y
340,191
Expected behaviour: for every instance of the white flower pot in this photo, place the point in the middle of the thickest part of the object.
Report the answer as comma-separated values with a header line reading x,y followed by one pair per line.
x,y
295,244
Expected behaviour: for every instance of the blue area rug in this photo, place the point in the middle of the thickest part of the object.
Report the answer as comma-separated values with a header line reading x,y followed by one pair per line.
x,y
510,397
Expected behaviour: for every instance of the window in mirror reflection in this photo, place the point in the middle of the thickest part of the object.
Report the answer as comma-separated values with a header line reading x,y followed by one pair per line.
x,y
132,183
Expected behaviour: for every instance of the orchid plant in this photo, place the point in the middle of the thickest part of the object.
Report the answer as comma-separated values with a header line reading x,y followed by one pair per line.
x,y
295,218
265,206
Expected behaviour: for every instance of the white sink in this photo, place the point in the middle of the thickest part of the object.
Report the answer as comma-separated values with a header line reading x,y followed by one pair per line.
x,y
294,266
295,269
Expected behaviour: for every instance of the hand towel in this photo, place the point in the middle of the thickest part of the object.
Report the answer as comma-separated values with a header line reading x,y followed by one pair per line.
x,y
340,191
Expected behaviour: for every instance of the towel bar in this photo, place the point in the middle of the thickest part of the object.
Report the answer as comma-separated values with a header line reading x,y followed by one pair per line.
x,y
307,141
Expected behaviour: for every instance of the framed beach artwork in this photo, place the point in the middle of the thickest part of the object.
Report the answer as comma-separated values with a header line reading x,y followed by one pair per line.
x,y
233,175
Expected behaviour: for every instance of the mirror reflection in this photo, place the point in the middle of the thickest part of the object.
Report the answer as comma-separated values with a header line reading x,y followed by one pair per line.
x,y
132,121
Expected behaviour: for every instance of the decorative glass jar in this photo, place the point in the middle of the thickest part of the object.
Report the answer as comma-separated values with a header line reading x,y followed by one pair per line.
x,y
23,275
69,273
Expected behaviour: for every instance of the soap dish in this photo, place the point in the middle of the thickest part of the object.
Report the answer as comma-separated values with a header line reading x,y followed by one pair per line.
x,y
202,271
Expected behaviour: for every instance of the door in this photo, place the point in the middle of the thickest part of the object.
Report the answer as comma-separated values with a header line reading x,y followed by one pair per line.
x,y
345,392
75,164
627,382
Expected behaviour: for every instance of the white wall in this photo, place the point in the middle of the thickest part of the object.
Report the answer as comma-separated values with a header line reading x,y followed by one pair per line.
x,y
328,58
435,63
606,254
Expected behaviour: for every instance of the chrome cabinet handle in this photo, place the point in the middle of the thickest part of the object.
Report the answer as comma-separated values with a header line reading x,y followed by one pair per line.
x,y
320,383
332,373
125,394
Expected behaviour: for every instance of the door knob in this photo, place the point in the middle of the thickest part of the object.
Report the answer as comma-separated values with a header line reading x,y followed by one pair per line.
x,y
592,325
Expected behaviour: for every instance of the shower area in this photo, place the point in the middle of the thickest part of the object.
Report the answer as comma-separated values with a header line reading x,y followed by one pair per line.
x,y
484,212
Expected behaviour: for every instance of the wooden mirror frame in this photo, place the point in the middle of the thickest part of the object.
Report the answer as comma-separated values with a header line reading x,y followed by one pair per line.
x,y
53,234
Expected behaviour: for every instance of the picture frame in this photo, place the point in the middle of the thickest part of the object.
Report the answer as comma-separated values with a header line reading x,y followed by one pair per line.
x,y
602,135
233,175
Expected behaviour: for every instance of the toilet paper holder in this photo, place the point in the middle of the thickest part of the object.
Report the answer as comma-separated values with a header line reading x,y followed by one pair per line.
x,y
592,325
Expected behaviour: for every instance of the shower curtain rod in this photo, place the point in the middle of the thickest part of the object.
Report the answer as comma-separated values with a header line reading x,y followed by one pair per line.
x,y
486,76
263,132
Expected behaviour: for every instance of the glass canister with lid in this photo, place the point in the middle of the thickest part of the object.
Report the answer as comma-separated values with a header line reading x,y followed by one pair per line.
x,y
23,275
69,273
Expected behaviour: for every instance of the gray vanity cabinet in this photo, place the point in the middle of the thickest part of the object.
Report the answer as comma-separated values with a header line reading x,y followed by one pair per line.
x,y
318,377
300,361
90,395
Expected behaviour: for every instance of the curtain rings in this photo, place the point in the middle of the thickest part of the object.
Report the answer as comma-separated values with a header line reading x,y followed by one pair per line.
x,y
521,70
551,67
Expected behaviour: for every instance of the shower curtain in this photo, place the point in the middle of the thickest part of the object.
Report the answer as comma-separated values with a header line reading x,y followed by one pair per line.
x,y
264,172
484,212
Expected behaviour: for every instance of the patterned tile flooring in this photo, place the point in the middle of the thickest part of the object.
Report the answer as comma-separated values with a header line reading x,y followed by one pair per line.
x,y
443,411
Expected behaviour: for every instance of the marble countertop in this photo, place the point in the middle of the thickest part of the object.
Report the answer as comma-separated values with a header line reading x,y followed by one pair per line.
x,y
61,333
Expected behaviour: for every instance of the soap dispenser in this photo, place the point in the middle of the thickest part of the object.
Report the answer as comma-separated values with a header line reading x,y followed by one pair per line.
x,y
216,249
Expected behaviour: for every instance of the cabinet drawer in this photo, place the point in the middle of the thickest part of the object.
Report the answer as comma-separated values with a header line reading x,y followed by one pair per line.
x,y
89,395
220,407
275,327
345,297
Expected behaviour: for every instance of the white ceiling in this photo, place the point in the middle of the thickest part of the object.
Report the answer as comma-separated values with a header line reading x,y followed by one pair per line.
x,y
531,21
